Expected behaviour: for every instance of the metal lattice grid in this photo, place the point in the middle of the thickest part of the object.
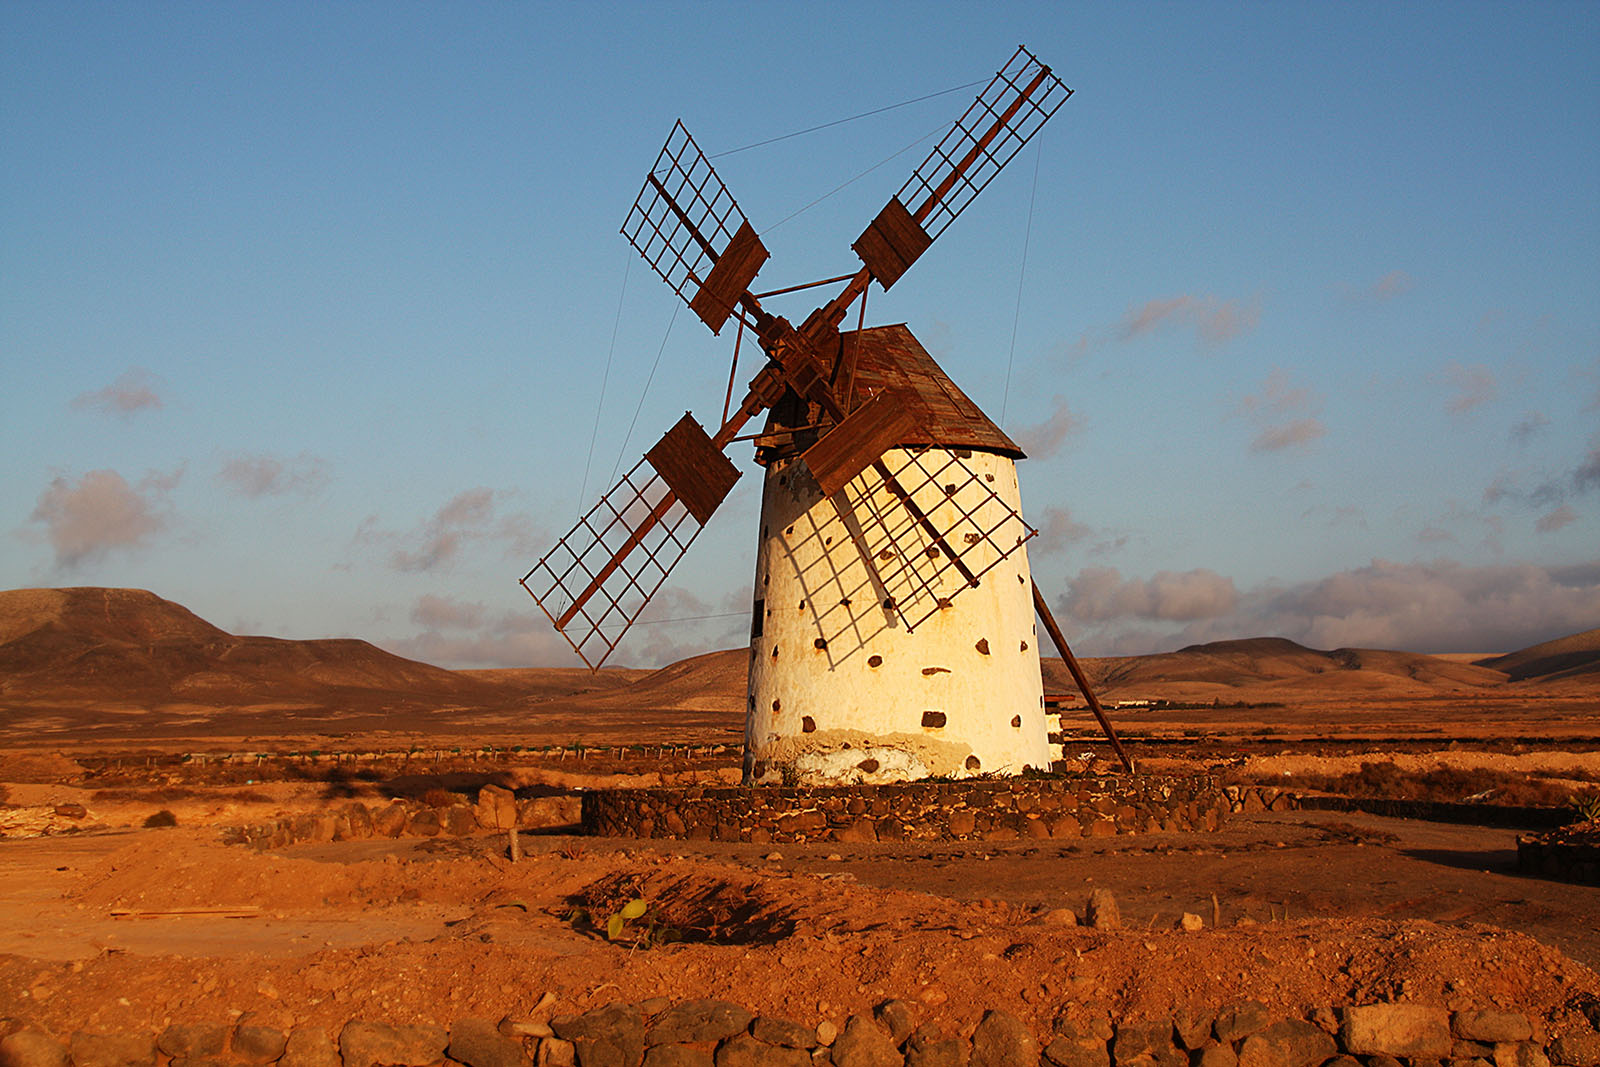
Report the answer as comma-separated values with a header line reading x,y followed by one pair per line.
x,y
684,216
954,530
1003,118
597,579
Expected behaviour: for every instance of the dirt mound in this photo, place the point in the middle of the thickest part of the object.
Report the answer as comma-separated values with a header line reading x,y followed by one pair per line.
x,y
1564,658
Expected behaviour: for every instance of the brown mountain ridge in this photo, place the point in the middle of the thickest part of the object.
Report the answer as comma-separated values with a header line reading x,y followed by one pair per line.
x,y
87,658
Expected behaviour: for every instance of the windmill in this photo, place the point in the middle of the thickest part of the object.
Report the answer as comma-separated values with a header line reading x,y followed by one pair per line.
x,y
892,630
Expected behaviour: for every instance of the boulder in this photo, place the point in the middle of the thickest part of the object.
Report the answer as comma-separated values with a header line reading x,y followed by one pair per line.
x,y
539,813
192,1041
1102,912
775,1031
744,1050
1519,1054
895,1016
612,1036
1002,1040
929,1047
1290,1043
1576,1050
1412,1030
113,1050
1491,1026
698,1020
309,1048
390,821
677,1056
1240,1020
496,808
865,1044
1216,1056
32,1048
368,1044
479,1043
259,1045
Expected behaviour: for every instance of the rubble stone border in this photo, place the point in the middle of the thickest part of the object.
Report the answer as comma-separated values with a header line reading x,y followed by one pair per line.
x,y
1548,856
711,1033
497,808
983,809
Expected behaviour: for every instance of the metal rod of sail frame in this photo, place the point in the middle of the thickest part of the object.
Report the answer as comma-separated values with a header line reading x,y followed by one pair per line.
x,y
1078,676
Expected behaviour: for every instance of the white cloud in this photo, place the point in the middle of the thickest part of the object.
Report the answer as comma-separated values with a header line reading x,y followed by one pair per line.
x,y
1556,519
1284,414
1471,386
102,512
261,475
1059,529
1101,593
1435,606
469,517
131,393
1044,439
1391,285
1214,321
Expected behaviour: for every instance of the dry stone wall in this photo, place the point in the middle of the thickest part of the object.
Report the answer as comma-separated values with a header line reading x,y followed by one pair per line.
x,y
709,1033
496,809
960,810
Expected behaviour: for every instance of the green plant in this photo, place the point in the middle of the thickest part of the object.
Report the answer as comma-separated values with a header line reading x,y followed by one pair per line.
x,y
639,923
1587,805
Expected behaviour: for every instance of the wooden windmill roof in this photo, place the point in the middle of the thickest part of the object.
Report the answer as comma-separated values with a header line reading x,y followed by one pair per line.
x,y
892,360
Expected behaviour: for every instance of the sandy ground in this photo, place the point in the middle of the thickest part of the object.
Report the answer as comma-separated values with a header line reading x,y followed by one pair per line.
x,y
1314,909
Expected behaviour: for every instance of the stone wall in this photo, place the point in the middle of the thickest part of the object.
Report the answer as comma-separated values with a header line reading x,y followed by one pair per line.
x,y
496,809
1568,858
959,810
707,1033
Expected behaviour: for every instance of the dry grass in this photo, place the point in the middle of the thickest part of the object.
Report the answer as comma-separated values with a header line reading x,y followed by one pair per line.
x,y
1446,784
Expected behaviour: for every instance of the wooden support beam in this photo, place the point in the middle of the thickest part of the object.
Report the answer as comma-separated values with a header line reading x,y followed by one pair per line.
x,y
1049,620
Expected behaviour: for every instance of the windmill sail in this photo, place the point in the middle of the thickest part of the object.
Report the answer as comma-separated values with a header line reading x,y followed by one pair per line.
x,y
598,578
690,230
1004,117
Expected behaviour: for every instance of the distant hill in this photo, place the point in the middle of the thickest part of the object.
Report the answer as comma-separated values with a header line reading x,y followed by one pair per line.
x,y
134,645
92,660
1574,657
1268,667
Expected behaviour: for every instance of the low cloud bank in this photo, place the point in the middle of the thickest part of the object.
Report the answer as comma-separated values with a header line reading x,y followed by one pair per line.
x,y
1439,606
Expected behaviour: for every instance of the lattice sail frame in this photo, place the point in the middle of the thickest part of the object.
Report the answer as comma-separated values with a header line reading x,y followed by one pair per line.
x,y
601,536
684,216
924,191
960,507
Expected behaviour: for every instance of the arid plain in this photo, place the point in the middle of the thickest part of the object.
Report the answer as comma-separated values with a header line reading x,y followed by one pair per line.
x,y
118,709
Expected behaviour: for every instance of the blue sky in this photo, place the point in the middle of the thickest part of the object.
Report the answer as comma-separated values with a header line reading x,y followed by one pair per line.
x,y
306,310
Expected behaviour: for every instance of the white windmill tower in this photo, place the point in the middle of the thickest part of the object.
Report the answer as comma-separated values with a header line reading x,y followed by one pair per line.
x,y
892,633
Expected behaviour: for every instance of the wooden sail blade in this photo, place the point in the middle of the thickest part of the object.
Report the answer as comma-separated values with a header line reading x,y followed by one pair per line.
x,y
857,442
598,578
891,243
933,527
693,467
1006,114
684,223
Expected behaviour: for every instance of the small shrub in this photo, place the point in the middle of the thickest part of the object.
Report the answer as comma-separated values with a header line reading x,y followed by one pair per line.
x,y
161,818
440,798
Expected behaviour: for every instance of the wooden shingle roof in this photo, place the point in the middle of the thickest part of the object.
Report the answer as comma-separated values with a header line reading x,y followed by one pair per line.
x,y
891,359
